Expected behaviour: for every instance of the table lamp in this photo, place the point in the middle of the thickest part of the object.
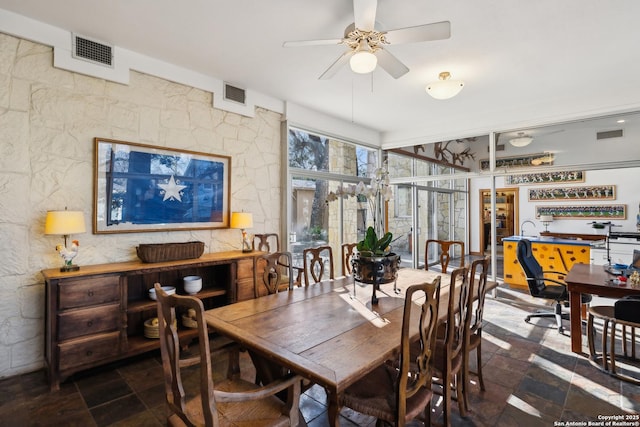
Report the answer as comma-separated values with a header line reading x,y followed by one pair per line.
x,y
65,223
546,220
243,220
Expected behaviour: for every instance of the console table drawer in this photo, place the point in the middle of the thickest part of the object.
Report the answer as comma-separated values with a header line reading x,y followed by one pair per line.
x,y
77,323
89,291
84,351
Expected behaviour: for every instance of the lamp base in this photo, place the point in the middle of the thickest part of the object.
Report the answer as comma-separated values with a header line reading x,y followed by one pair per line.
x,y
246,245
67,268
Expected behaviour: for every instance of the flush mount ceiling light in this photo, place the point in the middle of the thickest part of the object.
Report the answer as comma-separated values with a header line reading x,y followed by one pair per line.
x,y
444,88
521,140
363,61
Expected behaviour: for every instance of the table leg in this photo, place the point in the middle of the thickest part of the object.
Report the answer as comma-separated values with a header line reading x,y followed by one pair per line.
x,y
575,303
333,408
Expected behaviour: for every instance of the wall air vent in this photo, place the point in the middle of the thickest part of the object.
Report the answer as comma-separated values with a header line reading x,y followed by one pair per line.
x,y
235,94
618,133
92,50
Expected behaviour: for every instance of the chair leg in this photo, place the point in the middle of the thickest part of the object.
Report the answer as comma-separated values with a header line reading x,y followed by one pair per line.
x,y
591,336
612,347
559,317
605,331
479,363
461,390
466,378
446,398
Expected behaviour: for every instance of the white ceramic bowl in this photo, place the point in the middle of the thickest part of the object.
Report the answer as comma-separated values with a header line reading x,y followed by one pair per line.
x,y
192,284
168,289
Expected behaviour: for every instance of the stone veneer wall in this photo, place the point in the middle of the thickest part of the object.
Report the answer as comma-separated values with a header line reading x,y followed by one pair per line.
x,y
48,119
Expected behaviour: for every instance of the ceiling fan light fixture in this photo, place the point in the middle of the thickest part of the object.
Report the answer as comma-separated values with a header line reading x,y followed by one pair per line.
x,y
363,62
521,140
444,88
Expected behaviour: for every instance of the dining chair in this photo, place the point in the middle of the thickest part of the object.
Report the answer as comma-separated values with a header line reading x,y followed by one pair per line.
x,y
443,249
314,260
273,273
450,346
624,313
230,402
478,273
348,251
266,242
270,242
400,392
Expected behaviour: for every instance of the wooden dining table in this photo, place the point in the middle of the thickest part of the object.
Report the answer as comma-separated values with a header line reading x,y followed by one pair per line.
x,y
590,279
328,332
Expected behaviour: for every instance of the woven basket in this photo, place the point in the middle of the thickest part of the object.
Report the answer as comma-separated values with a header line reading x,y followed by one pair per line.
x,y
159,252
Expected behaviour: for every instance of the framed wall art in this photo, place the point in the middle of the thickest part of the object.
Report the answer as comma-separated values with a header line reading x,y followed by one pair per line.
x,y
145,188
528,160
591,192
584,212
544,178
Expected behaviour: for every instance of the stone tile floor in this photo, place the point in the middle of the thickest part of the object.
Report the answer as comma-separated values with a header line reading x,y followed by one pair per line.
x,y
531,377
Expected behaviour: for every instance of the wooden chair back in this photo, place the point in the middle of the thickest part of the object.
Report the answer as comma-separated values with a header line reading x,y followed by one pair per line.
x,y
416,370
477,274
479,268
458,312
314,264
273,273
207,406
348,251
267,242
444,248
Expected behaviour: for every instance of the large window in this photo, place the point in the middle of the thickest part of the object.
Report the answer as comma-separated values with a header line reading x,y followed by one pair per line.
x,y
437,203
434,207
317,165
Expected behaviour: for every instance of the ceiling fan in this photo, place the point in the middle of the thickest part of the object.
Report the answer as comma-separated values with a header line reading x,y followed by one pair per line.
x,y
365,42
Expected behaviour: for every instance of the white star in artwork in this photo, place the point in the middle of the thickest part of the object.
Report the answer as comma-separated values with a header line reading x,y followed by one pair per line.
x,y
172,190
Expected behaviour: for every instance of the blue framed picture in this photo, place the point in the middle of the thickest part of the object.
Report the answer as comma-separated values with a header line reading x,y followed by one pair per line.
x,y
140,188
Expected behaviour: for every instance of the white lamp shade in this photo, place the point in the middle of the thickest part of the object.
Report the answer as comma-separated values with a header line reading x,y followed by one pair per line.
x,y
546,218
521,141
64,222
444,88
241,220
363,62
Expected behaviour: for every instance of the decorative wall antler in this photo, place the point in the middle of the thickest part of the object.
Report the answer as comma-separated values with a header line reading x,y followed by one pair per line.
x,y
444,153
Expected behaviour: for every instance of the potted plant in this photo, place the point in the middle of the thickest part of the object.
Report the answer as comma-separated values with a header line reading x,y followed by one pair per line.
x,y
374,263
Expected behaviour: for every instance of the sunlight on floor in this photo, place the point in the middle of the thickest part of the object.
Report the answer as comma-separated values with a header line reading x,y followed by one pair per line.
x,y
523,406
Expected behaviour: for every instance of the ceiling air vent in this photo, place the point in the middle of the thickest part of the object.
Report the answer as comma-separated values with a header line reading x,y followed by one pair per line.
x,y
92,51
235,94
618,133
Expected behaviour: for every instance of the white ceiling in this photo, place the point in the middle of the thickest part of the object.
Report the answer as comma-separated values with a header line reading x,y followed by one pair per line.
x,y
524,62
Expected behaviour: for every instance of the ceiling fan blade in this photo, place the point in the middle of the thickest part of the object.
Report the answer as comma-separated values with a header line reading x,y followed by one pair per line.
x,y
391,64
364,13
333,68
311,42
420,33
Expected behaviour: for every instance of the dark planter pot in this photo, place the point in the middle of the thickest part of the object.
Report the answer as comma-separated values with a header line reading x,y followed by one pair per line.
x,y
375,270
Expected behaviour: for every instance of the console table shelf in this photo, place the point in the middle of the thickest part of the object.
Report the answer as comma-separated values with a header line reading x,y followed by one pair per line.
x,y
96,315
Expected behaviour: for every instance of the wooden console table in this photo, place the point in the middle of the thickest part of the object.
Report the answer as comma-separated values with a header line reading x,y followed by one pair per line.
x,y
96,315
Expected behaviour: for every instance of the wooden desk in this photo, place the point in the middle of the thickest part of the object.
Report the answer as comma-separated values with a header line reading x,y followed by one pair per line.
x,y
589,279
321,332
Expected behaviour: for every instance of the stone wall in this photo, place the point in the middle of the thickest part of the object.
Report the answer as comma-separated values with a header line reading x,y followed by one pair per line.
x,y
48,119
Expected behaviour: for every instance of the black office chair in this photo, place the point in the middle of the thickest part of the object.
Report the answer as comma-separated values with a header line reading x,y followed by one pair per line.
x,y
543,287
